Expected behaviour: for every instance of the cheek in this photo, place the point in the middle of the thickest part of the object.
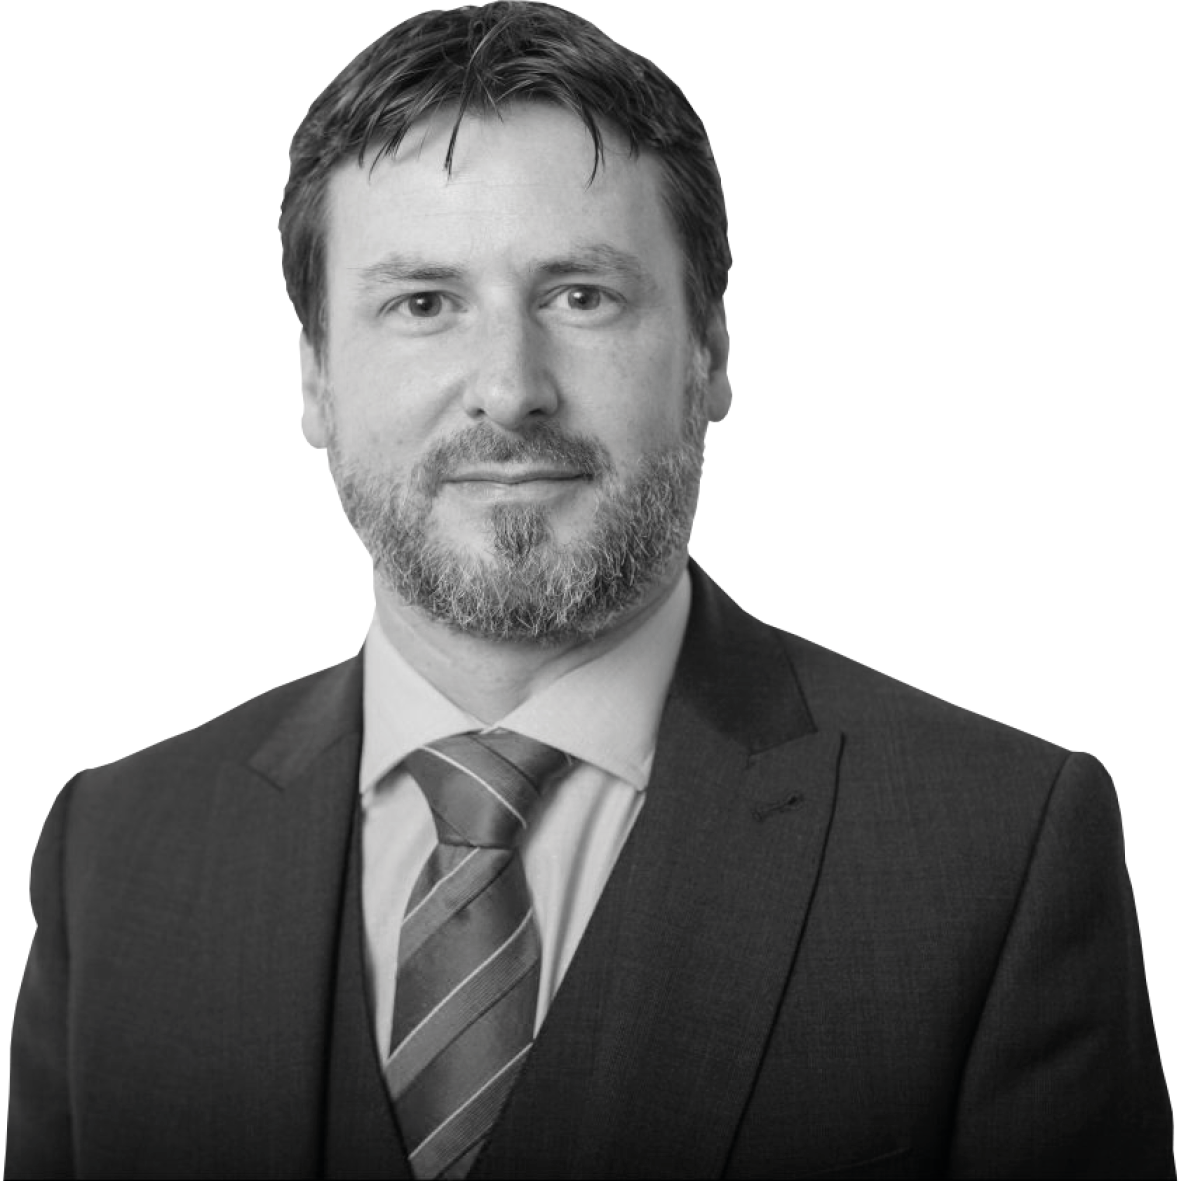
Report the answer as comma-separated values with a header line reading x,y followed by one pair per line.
x,y
378,412
633,400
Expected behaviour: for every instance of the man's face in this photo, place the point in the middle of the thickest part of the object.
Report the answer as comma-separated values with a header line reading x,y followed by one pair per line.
x,y
510,390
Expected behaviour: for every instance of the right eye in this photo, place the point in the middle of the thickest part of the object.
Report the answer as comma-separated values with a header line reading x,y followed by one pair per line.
x,y
422,305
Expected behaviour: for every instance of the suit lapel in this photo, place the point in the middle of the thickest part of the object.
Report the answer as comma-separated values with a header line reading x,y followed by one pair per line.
x,y
651,1047
361,1137
280,841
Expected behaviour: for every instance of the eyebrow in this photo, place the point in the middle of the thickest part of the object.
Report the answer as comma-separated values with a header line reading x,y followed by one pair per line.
x,y
597,258
405,268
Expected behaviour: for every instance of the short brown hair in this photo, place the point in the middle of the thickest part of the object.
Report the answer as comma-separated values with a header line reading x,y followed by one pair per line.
x,y
478,58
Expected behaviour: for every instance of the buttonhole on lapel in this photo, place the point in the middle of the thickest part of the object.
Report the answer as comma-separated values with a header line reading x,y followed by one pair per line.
x,y
762,811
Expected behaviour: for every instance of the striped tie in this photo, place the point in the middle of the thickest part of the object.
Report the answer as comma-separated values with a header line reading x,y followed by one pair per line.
x,y
469,953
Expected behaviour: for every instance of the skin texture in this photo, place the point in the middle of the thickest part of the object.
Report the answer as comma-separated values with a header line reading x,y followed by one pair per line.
x,y
504,301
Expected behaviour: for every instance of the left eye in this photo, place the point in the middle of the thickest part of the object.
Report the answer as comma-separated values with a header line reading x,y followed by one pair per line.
x,y
423,305
584,299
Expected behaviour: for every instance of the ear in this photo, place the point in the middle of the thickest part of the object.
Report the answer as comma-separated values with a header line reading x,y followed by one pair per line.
x,y
315,394
717,346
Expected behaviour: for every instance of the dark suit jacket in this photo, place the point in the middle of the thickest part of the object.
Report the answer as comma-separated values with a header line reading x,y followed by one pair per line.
x,y
856,931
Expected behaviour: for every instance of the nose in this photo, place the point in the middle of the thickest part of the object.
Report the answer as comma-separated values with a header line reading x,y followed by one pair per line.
x,y
510,382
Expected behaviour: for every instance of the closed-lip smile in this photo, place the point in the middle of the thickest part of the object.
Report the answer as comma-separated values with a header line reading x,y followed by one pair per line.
x,y
515,475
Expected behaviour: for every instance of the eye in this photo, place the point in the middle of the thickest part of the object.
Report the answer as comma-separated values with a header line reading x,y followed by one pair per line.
x,y
422,305
585,305
584,299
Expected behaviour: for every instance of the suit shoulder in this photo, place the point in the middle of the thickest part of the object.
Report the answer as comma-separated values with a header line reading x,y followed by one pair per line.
x,y
915,724
231,736
752,669
969,791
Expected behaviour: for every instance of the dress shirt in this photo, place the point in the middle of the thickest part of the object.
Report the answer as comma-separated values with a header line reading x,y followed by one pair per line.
x,y
604,714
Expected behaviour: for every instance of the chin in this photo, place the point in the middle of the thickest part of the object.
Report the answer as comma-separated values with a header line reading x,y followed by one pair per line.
x,y
511,531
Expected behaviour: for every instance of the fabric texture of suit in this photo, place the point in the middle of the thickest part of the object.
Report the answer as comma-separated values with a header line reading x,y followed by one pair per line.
x,y
856,931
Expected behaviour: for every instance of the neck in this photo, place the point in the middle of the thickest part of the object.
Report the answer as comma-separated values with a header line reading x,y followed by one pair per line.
x,y
490,678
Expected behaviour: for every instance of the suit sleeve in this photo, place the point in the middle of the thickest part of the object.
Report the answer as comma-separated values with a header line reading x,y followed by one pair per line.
x,y
1064,1077
39,1125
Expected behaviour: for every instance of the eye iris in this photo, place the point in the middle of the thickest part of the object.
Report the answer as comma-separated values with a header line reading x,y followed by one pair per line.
x,y
585,298
427,304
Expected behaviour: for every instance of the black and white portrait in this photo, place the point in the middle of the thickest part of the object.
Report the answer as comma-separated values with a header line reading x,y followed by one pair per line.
x,y
939,414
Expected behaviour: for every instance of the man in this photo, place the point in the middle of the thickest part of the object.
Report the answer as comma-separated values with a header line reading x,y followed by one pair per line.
x,y
577,870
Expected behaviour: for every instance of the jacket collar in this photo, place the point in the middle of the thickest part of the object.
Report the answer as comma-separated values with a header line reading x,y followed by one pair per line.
x,y
734,674
328,713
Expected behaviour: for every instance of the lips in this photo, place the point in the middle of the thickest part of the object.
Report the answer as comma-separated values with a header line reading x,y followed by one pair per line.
x,y
516,476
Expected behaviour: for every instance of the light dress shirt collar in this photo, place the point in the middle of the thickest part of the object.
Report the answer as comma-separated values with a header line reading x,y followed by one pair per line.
x,y
605,712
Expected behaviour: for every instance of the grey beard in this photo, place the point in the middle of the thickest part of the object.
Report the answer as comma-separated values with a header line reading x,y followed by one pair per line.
x,y
531,587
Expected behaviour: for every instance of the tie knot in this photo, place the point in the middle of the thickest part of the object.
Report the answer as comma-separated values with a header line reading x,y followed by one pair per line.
x,y
482,786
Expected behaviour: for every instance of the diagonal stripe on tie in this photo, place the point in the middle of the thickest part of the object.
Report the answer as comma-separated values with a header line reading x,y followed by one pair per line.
x,y
426,913
443,962
464,1003
491,1041
428,886
460,808
459,1133
469,955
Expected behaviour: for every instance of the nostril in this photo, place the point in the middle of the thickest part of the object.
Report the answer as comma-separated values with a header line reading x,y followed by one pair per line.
x,y
510,402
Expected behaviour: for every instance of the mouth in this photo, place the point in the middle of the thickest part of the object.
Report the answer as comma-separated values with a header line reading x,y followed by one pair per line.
x,y
516,476
542,485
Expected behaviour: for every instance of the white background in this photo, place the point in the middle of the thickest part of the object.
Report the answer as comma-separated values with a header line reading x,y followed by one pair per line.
x,y
955,308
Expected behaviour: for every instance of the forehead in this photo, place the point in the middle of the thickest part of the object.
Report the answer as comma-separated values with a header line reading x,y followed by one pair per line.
x,y
523,185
